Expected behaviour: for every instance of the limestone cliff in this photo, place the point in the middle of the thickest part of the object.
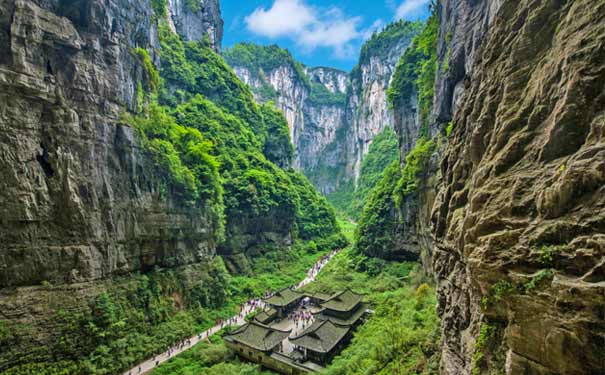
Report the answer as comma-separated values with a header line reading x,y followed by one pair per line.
x,y
80,200
333,116
312,99
368,112
520,214
196,19
510,212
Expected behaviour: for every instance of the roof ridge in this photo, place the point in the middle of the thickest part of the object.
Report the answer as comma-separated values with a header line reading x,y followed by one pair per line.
x,y
259,324
309,330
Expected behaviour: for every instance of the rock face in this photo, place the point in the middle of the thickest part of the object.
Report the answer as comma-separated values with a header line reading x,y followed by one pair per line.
x,y
195,19
368,111
333,115
286,81
514,235
314,125
322,119
80,200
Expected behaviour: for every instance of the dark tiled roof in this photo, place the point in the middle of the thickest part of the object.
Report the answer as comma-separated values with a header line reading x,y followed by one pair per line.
x,y
266,316
284,297
321,336
258,336
342,301
353,318
319,296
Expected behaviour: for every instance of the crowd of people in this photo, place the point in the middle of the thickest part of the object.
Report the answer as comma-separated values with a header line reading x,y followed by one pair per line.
x,y
314,271
301,319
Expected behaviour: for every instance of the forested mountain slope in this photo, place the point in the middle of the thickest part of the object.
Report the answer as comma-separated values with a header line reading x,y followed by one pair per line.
x,y
333,115
132,158
499,112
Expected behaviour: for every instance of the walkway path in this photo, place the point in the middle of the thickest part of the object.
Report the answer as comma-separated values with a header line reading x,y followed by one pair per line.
x,y
237,320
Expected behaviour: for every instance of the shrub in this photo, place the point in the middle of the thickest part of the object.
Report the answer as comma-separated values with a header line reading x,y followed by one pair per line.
x,y
151,74
415,71
415,165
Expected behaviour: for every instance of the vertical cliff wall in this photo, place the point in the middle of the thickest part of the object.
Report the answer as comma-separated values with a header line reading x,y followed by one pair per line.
x,y
508,209
368,112
80,200
520,214
333,116
196,19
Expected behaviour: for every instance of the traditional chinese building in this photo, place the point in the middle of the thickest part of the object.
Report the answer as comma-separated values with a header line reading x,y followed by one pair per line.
x,y
322,341
255,341
344,308
336,317
266,316
284,301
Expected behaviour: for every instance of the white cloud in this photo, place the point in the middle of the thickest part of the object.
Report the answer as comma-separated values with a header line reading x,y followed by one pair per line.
x,y
410,8
310,27
285,17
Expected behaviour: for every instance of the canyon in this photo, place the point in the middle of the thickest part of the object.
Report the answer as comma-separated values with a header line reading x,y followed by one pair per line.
x,y
333,115
498,190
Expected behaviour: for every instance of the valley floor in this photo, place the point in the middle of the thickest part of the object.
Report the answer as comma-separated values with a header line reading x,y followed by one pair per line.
x,y
400,338
235,321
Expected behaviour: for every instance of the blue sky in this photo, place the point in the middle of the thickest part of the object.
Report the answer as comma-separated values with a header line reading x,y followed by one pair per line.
x,y
318,33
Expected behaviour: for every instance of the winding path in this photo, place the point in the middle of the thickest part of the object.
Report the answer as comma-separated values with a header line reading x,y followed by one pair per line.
x,y
237,320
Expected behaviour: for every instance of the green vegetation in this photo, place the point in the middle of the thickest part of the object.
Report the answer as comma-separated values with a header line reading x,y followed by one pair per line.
x,y
151,73
415,72
278,147
267,93
449,129
402,336
501,289
316,218
261,60
321,96
347,227
382,43
183,154
384,211
384,150
535,281
375,235
343,197
548,254
193,5
486,334
159,8
251,142
212,358
415,166
380,219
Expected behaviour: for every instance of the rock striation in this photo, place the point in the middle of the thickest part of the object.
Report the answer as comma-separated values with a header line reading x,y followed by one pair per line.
x,y
315,119
333,115
196,19
511,213
80,201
